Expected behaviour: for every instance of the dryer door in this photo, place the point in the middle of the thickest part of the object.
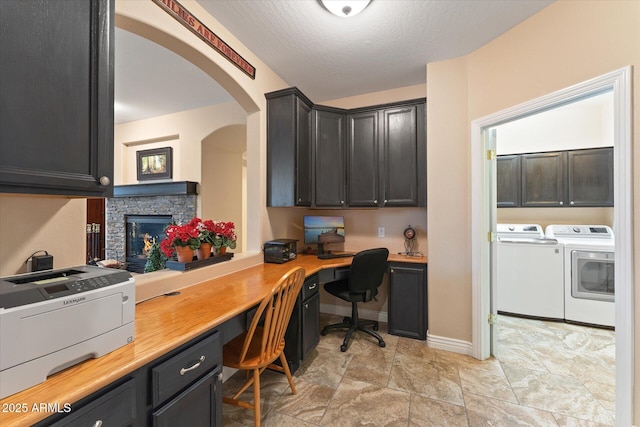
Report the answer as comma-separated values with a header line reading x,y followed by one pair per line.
x,y
592,275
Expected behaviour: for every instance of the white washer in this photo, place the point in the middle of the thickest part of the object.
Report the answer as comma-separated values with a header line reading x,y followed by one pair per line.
x,y
530,272
589,282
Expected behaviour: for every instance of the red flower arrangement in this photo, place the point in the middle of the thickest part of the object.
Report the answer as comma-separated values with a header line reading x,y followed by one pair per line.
x,y
196,232
181,235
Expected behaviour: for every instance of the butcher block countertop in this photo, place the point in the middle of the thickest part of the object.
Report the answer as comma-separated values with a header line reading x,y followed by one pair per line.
x,y
162,324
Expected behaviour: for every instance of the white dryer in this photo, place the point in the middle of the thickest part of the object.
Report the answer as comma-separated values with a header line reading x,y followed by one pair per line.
x,y
530,272
589,264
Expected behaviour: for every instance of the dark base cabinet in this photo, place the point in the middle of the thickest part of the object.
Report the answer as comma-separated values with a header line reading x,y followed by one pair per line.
x,y
181,388
408,300
199,405
303,332
113,408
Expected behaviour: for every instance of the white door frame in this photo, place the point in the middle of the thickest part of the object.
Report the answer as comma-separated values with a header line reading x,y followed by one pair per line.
x,y
620,82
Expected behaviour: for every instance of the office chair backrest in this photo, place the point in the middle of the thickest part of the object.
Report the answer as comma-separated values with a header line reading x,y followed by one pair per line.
x,y
367,270
273,314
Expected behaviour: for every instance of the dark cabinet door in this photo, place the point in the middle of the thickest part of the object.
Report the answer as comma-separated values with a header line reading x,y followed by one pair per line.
x,y
329,150
508,181
408,300
543,179
590,176
311,324
403,156
56,108
198,406
288,149
363,159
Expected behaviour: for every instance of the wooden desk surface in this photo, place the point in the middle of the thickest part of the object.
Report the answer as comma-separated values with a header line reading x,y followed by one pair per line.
x,y
163,324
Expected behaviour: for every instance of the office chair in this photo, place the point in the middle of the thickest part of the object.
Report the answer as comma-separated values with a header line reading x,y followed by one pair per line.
x,y
263,343
365,276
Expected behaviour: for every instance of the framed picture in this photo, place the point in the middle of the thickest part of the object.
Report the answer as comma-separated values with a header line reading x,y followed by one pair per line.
x,y
154,164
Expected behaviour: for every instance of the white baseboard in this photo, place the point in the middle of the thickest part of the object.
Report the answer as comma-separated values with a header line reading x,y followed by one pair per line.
x,y
449,344
341,310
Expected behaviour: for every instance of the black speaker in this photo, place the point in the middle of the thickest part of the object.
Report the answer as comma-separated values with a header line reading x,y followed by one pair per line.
x,y
41,262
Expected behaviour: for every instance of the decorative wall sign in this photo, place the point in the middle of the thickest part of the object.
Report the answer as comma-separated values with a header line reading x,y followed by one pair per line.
x,y
182,15
154,164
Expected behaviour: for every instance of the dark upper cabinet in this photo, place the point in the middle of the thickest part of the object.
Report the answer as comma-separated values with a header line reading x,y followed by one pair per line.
x,y
329,152
387,156
363,159
56,108
327,157
543,179
289,153
590,177
404,156
508,181
573,178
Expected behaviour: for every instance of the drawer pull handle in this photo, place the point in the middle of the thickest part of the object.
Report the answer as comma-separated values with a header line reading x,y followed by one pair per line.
x,y
192,367
312,287
97,423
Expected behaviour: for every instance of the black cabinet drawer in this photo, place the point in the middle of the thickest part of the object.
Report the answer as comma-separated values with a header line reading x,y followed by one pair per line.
x,y
115,408
310,287
184,368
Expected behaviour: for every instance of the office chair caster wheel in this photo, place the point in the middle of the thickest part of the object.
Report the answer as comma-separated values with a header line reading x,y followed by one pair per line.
x,y
323,332
382,344
375,326
343,348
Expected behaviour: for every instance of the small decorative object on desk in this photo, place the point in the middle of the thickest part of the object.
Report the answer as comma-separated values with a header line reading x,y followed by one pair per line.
x,y
199,236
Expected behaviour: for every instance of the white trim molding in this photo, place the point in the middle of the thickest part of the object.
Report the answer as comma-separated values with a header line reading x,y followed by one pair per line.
x,y
449,344
619,81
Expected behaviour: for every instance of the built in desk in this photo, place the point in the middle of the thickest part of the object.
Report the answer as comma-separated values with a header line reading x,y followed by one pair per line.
x,y
164,326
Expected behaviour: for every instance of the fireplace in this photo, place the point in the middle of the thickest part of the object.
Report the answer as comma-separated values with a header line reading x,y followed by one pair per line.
x,y
175,201
142,232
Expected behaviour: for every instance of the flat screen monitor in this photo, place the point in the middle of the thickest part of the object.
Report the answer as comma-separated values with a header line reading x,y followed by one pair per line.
x,y
322,230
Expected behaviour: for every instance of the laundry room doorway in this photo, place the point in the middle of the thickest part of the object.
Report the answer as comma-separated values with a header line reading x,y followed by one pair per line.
x,y
484,216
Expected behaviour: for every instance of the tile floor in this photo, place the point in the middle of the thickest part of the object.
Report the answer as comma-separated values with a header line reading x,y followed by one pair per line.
x,y
546,374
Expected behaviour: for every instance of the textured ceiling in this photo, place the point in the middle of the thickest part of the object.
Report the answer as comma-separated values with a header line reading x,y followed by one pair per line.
x,y
386,46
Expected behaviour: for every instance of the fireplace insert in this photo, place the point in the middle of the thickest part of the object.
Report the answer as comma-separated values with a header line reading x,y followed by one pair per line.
x,y
142,232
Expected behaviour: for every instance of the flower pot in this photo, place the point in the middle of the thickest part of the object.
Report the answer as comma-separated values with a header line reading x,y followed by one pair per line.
x,y
204,251
222,250
185,253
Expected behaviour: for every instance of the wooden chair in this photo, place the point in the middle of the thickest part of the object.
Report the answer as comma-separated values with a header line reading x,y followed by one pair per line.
x,y
263,343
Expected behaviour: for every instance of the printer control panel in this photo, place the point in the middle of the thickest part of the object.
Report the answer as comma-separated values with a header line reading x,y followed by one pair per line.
x,y
26,289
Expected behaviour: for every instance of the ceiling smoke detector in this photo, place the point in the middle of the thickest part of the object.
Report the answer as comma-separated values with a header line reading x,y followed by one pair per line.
x,y
345,8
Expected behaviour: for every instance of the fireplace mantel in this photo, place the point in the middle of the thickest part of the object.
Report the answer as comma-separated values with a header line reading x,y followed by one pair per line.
x,y
178,188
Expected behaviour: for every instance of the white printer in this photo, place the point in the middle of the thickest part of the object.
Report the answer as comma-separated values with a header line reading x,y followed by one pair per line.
x,y
50,320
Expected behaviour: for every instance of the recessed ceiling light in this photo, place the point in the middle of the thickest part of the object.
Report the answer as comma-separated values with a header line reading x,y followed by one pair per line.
x,y
345,8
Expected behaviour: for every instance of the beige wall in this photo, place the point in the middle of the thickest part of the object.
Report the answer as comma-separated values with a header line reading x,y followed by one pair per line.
x,y
565,44
223,186
29,224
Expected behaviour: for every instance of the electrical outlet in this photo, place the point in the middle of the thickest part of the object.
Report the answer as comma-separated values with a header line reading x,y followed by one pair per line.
x,y
380,231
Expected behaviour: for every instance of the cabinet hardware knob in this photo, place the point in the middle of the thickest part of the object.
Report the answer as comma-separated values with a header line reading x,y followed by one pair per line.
x,y
220,377
104,180
391,271
375,201
572,202
342,202
313,286
306,306
385,201
299,200
561,203
192,367
98,423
